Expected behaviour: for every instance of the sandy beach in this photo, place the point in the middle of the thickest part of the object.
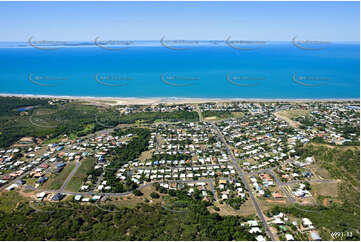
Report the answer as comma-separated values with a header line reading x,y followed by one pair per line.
x,y
113,101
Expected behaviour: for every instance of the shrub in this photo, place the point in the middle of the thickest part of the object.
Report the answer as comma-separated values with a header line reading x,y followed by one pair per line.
x,y
154,195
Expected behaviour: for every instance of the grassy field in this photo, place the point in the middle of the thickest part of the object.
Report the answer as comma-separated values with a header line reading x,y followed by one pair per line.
x,y
289,115
246,209
131,200
294,113
325,189
9,201
146,155
56,181
237,114
210,115
217,115
77,180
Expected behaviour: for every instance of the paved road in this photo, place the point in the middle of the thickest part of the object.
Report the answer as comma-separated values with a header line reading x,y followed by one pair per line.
x,y
157,137
67,180
282,185
167,166
255,203
199,113
92,193
278,182
100,179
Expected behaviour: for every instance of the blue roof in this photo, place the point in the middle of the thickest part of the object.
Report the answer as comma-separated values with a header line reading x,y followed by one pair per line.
x,y
58,196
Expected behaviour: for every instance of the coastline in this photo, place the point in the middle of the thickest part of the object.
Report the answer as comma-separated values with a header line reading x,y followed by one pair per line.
x,y
113,101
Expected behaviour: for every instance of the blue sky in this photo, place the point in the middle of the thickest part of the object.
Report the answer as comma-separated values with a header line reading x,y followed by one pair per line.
x,y
271,21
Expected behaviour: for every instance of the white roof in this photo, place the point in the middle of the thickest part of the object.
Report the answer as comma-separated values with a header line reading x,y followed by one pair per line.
x,y
252,223
306,221
260,238
41,195
289,237
11,187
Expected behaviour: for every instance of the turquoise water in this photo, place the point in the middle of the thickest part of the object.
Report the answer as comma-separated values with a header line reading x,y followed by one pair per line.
x,y
275,70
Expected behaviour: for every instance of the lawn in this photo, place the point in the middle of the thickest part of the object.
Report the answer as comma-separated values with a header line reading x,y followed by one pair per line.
x,y
56,181
78,178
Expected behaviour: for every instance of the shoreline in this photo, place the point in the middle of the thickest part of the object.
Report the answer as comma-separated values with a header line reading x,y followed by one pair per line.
x,y
175,100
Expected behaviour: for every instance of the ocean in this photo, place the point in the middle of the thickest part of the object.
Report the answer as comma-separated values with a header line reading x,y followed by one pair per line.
x,y
270,71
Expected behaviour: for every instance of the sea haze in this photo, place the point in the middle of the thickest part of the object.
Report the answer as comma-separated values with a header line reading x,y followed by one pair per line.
x,y
271,70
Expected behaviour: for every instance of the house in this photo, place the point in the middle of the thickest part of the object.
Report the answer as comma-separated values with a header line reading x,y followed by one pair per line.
x,y
260,238
289,237
278,221
12,187
277,195
252,223
58,197
254,230
58,169
40,196
306,222
77,197
315,236
42,179
20,182
84,187
224,196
